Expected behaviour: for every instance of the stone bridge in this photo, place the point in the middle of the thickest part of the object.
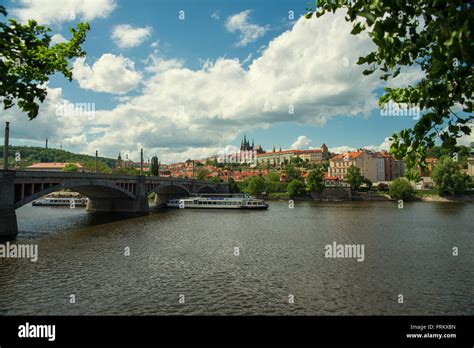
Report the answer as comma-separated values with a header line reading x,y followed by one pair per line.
x,y
106,192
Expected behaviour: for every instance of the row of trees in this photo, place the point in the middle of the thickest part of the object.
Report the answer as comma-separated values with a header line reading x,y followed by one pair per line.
x,y
270,184
447,177
102,167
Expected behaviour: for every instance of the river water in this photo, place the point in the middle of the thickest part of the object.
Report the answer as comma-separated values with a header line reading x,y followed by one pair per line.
x,y
245,262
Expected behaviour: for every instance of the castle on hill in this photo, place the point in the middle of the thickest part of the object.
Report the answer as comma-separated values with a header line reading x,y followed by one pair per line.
x,y
245,146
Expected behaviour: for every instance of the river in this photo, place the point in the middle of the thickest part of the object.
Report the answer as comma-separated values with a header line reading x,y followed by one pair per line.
x,y
270,262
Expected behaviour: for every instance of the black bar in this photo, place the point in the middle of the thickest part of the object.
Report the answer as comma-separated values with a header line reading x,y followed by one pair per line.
x,y
132,330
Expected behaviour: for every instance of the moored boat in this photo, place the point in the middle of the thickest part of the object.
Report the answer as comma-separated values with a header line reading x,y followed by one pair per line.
x,y
61,201
216,201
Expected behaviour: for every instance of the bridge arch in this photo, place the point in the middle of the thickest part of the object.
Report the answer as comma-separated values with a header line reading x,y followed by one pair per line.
x,y
169,190
90,188
206,189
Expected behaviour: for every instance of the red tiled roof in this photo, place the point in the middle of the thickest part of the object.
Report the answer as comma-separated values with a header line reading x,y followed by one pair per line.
x,y
296,152
335,178
353,154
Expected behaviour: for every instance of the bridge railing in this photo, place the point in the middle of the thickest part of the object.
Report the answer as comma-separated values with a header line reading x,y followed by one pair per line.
x,y
83,175
71,175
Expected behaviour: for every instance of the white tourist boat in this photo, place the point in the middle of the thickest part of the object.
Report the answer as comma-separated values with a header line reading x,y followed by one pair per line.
x,y
61,201
218,201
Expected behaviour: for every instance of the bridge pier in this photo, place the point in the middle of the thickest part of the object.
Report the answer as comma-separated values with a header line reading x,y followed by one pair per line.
x,y
118,205
8,222
122,205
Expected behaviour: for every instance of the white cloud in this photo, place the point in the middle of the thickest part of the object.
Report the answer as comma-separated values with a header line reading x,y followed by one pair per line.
x,y
75,140
407,76
466,140
384,146
156,64
228,149
215,16
57,38
183,113
53,11
301,143
181,109
341,149
126,36
67,128
248,32
247,60
110,73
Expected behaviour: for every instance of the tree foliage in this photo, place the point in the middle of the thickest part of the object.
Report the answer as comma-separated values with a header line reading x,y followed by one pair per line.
x,y
291,173
272,176
27,61
126,171
368,182
233,188
448,178
382,187
155,166
400,188
202,174
354,177
70,167
296,188
433,35
315,180
102,167
275,186
215,179
34,154
255,186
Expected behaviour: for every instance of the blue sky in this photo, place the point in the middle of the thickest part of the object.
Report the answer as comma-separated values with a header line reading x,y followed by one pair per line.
x,y
170,85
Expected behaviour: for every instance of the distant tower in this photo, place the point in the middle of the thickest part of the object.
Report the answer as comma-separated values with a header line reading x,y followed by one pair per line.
x,y
119,161
324,150
46,142
245,144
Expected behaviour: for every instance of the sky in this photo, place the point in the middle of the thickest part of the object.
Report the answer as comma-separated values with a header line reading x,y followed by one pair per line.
x,y
188,79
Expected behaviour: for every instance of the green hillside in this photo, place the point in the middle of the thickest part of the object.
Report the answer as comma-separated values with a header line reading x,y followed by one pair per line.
x,y
30,155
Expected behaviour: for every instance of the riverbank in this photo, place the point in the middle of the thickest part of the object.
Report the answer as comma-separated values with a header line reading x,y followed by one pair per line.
x,y
438,198
379,197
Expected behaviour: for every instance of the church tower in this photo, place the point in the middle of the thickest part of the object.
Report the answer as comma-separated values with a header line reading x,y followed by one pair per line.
x,y
324,150
119,161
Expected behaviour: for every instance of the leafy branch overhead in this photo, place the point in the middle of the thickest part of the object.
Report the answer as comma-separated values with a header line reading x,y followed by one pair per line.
x,y
434,36
27,60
